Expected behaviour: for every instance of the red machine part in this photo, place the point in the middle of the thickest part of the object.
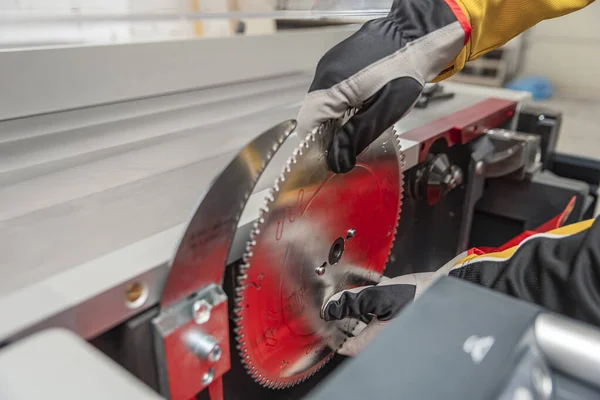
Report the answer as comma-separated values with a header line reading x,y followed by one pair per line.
x,y
462,126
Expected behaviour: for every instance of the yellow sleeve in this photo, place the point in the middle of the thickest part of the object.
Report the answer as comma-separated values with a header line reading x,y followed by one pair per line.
x,y
495,22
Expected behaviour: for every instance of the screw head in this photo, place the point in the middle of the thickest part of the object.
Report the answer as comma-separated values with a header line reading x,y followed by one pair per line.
x,y
479,168
215,354
201,311
320,270
351,233
208,377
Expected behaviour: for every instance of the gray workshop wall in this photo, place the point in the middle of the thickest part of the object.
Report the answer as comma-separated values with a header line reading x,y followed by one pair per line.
x,y
567,51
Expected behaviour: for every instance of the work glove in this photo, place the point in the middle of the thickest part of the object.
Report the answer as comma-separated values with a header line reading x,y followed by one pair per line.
x,y
557,270
377,303
381,69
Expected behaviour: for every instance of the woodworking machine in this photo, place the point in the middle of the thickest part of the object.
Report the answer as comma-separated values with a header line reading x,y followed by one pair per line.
x,y
177,238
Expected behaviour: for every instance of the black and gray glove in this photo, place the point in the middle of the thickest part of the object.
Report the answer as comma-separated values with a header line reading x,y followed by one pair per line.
x,y
382,70
559,270
379,303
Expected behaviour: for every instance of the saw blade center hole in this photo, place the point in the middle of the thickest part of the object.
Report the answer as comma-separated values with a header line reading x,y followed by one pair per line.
x,y
337,251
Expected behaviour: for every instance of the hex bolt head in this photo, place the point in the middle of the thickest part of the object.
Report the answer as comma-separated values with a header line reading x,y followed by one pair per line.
x,y
208,377
201,311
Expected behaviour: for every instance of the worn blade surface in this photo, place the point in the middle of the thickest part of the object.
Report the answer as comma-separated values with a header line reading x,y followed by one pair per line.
x,y
318,233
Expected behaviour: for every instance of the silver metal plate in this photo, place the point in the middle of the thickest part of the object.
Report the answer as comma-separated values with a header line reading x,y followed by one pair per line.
x,y
318,233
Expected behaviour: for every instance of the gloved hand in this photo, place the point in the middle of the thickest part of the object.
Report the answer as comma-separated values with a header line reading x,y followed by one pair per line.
x,y
381,69
382,302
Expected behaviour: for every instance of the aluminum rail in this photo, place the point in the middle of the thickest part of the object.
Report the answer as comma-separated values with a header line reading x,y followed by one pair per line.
x,y
50,79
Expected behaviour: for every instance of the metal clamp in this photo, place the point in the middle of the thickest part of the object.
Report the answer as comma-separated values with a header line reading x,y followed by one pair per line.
x,y
516,154
196,348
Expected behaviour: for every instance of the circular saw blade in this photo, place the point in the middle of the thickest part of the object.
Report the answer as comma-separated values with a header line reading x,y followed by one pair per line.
x,y
318,233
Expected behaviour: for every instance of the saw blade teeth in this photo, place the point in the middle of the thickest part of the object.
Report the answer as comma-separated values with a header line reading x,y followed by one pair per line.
x,y
265,377
269,196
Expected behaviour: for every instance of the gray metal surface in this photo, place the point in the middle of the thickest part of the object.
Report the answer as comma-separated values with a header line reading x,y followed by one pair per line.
x,y
73,190
35,81
318,233
515,153
571,347
56,364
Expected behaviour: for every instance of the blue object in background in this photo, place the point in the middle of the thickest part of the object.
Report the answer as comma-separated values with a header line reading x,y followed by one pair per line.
x,y
539,87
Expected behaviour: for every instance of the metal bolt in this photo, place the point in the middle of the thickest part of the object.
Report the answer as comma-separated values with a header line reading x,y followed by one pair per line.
x,y
479,168
351,233
215,354
321,269
201,311
203,345
455,177
208,377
